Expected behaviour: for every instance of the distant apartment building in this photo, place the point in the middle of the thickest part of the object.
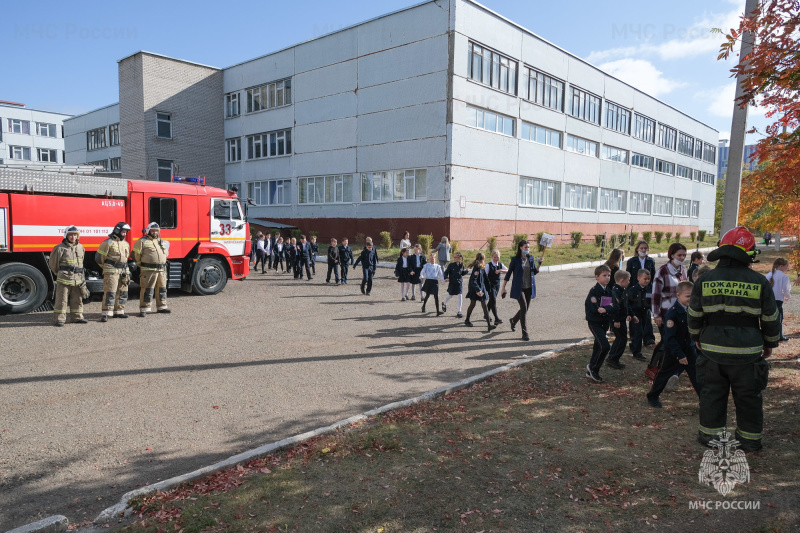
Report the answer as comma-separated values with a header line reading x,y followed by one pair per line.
x,y
30,135
749,162
93,138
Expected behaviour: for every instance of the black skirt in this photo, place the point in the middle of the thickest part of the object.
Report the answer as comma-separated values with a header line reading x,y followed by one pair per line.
x,y
431,286
404,275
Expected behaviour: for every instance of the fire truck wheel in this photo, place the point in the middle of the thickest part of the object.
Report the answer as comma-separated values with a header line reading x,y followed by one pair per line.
x,y
22,288
209,276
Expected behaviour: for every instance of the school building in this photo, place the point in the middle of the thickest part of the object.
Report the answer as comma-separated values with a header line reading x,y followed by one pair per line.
x,y
442,118
30,136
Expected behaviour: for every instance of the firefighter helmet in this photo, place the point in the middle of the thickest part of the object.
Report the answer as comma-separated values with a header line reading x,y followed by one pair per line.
x,y
739,237
153,225
119,228
71,229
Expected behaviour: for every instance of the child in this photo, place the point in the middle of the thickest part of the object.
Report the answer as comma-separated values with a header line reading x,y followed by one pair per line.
x,y
620,316
614,262
699,272
345,259
279,253
640,308
314,252
478,291
369,263
644,261
403,273
493,271
333,262
679,350
598,309
432,274
261,253
417,262
290,250
781,287
454,272
697,259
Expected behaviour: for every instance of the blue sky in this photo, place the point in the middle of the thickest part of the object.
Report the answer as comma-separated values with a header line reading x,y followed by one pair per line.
x,y
61,56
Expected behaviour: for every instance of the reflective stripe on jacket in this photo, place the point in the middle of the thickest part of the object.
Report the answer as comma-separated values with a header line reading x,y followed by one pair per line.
x,y
70,256
150,251
113,250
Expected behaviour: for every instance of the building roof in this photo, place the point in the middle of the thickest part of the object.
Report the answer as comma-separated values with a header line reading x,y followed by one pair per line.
x,y
92,111
18,108
167,57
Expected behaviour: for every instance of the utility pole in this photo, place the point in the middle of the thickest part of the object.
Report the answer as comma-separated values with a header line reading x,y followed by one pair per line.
x,y
733,177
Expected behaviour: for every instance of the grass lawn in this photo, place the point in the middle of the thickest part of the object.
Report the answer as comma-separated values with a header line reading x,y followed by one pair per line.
x,y
534,449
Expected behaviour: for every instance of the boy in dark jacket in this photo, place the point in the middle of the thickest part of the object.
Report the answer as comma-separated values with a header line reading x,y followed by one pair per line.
x,y
679,350
314,251
333,262
369,263
598,309
620,316
640,309
643,261
345,259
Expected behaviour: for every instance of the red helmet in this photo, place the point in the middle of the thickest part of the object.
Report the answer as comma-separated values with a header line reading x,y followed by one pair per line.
x,y
739,237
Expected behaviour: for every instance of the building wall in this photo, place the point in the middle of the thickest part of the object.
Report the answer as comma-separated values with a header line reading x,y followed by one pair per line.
x,y
75,140
30,140
750,163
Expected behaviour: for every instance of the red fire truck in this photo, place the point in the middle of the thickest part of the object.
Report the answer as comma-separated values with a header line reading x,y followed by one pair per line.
x,y
205,226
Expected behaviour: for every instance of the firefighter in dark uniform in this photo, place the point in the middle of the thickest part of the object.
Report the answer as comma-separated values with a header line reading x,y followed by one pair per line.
x,y
734,321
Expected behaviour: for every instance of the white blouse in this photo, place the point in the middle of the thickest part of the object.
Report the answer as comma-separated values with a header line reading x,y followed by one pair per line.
x,y
781,285
432,271
405,243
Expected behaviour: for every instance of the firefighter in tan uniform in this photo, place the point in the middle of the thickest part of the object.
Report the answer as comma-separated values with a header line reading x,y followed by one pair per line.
x,y
150,254
112,257
66,262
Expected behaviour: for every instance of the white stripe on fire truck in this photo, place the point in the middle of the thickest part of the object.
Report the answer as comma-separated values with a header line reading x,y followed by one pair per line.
x,y
24,230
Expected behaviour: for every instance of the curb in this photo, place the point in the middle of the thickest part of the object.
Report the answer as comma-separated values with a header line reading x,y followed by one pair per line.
x,y
121,509
51,524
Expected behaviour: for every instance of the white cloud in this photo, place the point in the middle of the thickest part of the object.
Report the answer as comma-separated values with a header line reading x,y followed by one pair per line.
x,y
642,75
721,102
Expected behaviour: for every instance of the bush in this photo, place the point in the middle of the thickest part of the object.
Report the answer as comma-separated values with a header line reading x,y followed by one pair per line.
x,y
386,239
647,236
701,235
313,233
576,238
634,237
598,240
296,233
425,241
668,236
492,241
677,237
455,245
538,240
613,242
360,238
659,235
621,239
517,238
693,236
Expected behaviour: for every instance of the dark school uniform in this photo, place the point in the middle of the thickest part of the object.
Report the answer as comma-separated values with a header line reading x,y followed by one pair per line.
x,y
478,282
621,312
303,259
598,324
493,276
314,251
453,275
677,345
417,262
692,268
278,255
612,283
633,266
403,273
640,308
345,260
369,263
333,263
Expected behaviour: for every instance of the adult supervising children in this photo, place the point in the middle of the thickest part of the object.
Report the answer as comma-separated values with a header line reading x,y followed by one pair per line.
x,y
523,268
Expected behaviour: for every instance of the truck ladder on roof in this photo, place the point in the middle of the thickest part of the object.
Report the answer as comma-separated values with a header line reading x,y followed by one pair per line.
x,y
43,181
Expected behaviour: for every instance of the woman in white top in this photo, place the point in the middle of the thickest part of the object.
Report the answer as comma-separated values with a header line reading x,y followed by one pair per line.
x,y
781,287
405,242
432,274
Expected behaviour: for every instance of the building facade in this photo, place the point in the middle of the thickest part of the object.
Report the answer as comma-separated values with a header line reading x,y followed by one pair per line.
x,y
93,138
31,136
750,163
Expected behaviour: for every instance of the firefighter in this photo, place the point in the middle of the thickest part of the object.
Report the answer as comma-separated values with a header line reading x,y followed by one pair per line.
x,y
150,253
66,262
733,320
112,257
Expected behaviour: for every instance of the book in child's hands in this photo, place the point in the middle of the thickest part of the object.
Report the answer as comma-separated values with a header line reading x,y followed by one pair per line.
x,y
605,301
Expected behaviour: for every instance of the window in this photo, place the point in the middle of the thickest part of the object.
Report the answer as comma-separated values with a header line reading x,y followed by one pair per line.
x,y
579,197
19,152
113,134
665,167
709,153
662,205
164,212
612,200
639,203
644,128
618,118
493,69
96,139
19,126
615,154
541,135
695,209
267,96
666,136
685,144
707,178
232,105
227,209
698,149
683,208
643,161
273,144
584,106
164,170
539,193
116,164
164,125
696,175
102,163
581,146
233,150
272,192
46,130
542,89
47,156
684,172
486,120
327,189
236,187
401,185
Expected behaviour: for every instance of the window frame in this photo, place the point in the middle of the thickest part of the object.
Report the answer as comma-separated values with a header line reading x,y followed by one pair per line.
x,y
695,209
609,147
113,134
647,125
533,136
499,66
269,142
112,167
544,86
659,201
670,167
685,140
666,136
233,146
96,139
385,182
232,100
548,189
685,207
48,126
584,188
23,150
168,223
584,99
618,111
161,164
23,125
622,196
687,169
49,151
338,183
635,155
160,120
266,94
568,147
648,199
480,120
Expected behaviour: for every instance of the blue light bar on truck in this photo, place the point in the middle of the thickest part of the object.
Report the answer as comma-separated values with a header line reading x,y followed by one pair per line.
x,y
195,180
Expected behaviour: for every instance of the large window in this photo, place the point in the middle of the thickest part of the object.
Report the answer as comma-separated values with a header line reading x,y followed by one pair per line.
x,y
698,149
709,153
232,105
666,136
271,192
116,164
96,139
618,118
164,169
644,128
19,126
584,105
696,175
707,178
662,205
541,135
46,130
274,94
642,161
164,125
615,154
164,212
683,172
233,150
639,203
487,120
543,89
22,153
327,189
581,197
539,193
113,134
683,208
665,167
47,156
581,146
695,209
394,186
685,144
492,69
612,200
273,144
